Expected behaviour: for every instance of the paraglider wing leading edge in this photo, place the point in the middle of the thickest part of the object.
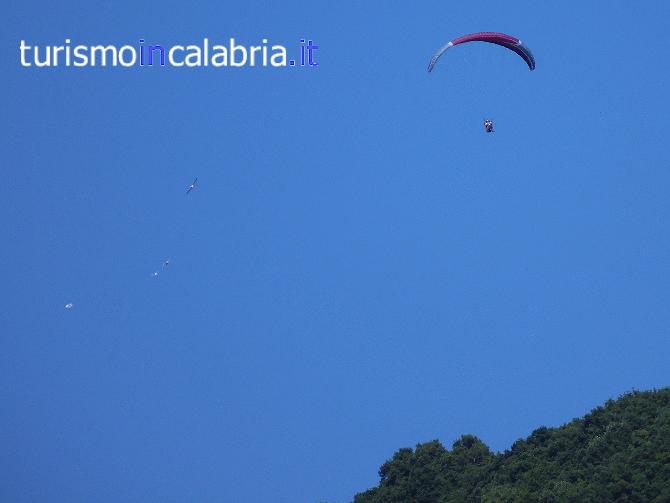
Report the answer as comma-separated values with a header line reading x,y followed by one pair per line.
x,y
501,39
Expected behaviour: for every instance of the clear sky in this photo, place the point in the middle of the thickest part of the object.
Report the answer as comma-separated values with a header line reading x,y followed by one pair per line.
x,y
361,267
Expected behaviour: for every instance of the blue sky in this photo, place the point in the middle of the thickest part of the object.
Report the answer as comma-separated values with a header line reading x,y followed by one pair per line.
x,y
361,267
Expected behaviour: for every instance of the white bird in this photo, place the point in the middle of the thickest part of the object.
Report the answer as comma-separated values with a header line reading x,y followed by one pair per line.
x,y
192,186
155,274
69,305
166,263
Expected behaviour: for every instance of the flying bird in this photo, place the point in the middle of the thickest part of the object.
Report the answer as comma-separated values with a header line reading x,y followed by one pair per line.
x,y
155,274
192,186
166,263
69,306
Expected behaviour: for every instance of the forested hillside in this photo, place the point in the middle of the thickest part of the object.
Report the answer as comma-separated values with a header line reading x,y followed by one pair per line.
x,y
619,452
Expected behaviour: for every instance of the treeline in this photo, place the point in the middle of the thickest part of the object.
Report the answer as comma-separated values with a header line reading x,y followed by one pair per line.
x,y
619,452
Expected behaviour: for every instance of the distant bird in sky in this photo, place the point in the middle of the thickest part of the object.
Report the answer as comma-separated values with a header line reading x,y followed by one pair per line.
x,y
69,306
192,186
155,274
166,263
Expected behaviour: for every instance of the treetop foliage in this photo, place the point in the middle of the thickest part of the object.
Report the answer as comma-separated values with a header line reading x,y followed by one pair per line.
x,y
619,452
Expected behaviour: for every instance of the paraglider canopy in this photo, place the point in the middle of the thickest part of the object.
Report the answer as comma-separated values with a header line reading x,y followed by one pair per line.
x,y
507,41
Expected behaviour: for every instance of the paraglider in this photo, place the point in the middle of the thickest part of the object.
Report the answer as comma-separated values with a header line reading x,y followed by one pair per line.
x,y
192,186
507,41
491,37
